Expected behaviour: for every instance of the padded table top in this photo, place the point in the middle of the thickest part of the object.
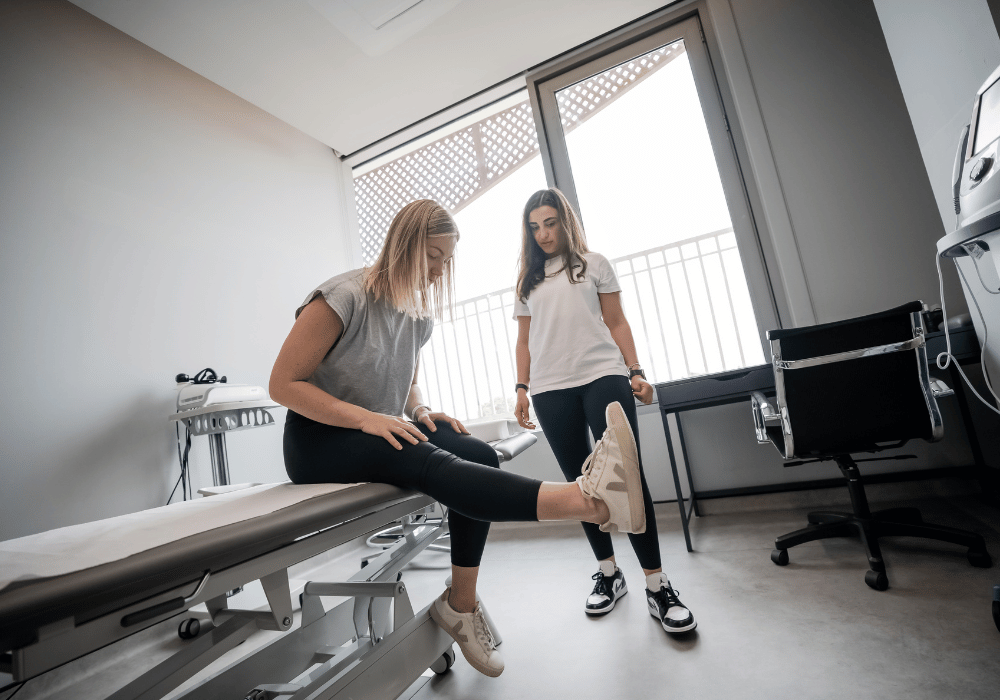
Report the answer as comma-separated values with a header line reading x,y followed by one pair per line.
x,y
183,548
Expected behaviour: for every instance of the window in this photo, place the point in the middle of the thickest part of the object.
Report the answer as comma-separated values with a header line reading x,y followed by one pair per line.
x,y
638,140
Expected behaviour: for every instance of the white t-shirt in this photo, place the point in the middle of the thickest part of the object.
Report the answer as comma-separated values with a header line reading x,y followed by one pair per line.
x,y
568,341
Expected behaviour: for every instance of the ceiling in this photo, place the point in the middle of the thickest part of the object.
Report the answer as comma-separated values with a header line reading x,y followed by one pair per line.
x,y
349,72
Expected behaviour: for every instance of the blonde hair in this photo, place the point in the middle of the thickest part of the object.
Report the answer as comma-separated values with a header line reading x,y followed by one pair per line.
x,y
531,267
400,274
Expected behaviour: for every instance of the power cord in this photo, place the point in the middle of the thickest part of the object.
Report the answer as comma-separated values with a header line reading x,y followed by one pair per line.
x,y
948,357
184,480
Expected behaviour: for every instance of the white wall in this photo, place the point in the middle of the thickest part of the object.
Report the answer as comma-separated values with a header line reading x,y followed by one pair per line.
x,y
942,53
152,223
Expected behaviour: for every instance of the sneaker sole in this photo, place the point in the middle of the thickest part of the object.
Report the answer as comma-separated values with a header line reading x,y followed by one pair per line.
x,y
599,613
672,630
485,670
618,421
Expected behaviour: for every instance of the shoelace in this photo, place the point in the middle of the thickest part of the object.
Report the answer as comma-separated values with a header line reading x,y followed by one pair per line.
x,y
483,630
602,585
588,464
670,598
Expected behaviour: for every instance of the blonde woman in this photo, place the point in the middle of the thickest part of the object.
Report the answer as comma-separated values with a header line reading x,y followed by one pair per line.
x,y
348,373
576,353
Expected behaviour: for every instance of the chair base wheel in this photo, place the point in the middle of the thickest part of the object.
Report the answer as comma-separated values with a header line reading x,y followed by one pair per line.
x,y
779,556
189,628
981,560
877,580
444,662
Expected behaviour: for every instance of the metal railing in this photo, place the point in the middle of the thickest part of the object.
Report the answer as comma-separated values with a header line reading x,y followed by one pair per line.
x,y
688,304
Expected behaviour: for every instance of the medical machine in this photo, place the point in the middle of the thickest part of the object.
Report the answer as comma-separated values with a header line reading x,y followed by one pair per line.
x,y
210,405
975,245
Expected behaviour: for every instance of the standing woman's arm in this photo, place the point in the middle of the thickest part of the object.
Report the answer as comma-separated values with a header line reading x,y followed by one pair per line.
x,y
621,333
523,372
315,331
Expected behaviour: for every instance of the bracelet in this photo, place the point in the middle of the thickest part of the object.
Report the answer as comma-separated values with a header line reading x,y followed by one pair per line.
x,y
413,413
634,365
520,386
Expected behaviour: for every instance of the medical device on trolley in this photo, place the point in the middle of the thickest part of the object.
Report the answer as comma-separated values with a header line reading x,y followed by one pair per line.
x,y
209,405
974,246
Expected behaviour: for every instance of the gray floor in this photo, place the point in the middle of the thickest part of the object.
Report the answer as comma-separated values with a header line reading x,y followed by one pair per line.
x,y
808,630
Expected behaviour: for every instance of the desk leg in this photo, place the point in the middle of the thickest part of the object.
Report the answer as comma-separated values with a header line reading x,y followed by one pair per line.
x,y
677,481
687,464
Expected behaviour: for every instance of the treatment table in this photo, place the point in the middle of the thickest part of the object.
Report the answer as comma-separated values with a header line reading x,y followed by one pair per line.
x,y
71,591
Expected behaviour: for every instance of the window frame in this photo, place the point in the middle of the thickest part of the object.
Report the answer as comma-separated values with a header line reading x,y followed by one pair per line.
x,y
544,83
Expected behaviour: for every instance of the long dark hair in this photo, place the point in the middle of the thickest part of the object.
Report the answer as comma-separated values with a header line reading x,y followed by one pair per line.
x,y
531,268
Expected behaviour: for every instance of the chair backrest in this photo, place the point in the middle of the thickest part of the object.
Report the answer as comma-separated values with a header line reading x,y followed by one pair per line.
x,y
845,387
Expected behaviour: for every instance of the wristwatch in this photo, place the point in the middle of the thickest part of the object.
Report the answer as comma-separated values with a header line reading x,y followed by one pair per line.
x,y
520,386
636,373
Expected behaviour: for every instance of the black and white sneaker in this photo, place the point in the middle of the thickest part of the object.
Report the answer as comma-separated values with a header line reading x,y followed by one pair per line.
x,y
665,606
609,588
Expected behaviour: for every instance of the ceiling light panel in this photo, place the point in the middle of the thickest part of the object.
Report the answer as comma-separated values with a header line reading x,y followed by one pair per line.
x,y
377,26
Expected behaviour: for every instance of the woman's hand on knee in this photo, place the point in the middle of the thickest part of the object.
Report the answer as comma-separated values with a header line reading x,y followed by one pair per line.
x,y
391,427
429,417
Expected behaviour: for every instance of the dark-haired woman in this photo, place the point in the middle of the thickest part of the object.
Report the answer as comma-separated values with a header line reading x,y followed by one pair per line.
x,y
576,353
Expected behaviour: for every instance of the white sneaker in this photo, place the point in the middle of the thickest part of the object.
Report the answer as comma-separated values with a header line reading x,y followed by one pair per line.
x,y
665,606
611,474
471,632
609,588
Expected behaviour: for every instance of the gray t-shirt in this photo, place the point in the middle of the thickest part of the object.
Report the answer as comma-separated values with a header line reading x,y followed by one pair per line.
x,y
372,363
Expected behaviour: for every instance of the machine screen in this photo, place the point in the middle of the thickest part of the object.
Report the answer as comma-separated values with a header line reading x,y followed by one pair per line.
x,y
988,124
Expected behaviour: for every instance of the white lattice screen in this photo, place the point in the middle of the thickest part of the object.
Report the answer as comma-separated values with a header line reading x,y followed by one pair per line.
x,y
462,166
579,102
453,171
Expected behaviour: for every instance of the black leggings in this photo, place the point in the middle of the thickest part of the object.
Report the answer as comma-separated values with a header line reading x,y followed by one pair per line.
x,y
456,470
565,415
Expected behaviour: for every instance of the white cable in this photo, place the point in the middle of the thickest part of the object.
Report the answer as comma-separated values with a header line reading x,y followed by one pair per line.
x,y
947,338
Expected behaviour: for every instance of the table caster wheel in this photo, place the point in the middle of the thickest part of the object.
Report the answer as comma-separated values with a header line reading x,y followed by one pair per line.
x,y
876,580
980,560
444,662
779,556
189,628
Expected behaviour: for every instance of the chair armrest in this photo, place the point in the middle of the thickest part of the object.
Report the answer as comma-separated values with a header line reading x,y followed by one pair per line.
x,y
765,414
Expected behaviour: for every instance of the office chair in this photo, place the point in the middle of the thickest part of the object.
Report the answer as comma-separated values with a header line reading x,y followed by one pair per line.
x,y
850,387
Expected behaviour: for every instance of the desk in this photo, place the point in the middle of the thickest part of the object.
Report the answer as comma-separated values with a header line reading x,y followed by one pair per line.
x,y
704,392
735,386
